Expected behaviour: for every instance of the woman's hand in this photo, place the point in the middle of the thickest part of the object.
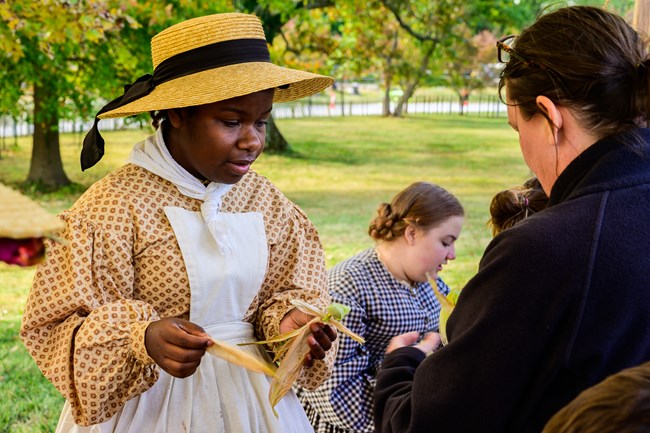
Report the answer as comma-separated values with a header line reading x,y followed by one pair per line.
x,y
176,345
320,340
428,345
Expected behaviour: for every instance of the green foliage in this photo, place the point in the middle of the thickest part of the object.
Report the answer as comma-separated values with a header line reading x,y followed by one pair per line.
x,y
393,38
504,16
52,43
510,16
65,59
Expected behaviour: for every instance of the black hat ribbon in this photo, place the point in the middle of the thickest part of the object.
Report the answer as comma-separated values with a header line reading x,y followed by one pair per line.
x,y
189,62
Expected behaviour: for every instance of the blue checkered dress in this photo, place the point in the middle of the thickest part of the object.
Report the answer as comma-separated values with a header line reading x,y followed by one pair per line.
x,y
382,307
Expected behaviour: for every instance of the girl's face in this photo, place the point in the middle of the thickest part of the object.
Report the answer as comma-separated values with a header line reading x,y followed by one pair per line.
x,y
219,141
428,251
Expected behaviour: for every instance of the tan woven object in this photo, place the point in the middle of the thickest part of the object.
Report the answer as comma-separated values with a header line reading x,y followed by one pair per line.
x,y
21,217
220,83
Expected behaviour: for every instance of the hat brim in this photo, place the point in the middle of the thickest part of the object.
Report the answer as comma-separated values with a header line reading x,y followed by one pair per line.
x,y
223,83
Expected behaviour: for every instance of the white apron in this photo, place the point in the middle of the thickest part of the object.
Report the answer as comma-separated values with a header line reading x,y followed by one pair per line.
x,y
219,397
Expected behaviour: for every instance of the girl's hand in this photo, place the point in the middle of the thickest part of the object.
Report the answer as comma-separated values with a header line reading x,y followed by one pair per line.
x,y
176,345
428,345
320,340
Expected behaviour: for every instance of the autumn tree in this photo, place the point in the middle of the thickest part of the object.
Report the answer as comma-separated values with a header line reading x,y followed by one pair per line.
x,y
65,59
52,49
379,45
469,64
426,24
401,41
286,26
351,38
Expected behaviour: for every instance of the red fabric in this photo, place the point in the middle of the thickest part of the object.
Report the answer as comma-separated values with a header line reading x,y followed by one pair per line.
x,y
22,252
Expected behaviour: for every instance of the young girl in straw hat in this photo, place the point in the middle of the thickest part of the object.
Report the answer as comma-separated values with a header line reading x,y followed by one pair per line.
x,y
182,243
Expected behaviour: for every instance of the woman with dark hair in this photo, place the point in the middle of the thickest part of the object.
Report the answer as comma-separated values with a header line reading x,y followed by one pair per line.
x,y
389,294
561,299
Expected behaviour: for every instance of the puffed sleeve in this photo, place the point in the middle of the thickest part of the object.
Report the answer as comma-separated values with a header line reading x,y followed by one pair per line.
x,y
80,325
296,270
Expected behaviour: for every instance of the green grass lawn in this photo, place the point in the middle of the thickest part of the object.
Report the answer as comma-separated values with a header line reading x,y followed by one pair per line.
x,y
339,170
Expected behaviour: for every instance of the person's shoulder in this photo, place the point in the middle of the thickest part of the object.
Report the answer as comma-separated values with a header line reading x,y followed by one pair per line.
x,y
255,192
253,181
550,236
126,186
110,188
533,231
357,267
360,260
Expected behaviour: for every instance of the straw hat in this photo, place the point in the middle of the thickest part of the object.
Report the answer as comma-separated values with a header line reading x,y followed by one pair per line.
x,y
205,60
22,218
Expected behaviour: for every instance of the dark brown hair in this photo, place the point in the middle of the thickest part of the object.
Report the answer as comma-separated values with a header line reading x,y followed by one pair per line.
x,y
512,205
422,204
601,61
157,117
618,404
161,117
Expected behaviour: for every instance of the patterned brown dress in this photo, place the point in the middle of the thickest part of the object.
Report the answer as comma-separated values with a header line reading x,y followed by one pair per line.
x,y
122,268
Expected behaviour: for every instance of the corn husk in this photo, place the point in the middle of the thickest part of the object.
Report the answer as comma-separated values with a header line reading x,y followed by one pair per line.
x,y
289,369
447,305
291,354
236,356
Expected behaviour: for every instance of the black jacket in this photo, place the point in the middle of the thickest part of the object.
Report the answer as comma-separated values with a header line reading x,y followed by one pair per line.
x,y
560,301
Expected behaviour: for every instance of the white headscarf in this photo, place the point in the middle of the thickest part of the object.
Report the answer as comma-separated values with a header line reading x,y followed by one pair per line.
x,y
153,155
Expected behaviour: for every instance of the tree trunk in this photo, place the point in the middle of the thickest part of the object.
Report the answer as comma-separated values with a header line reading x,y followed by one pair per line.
x,y
3,144
386,104
403,101
388,75
412,85
275,141
461,102
46,168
